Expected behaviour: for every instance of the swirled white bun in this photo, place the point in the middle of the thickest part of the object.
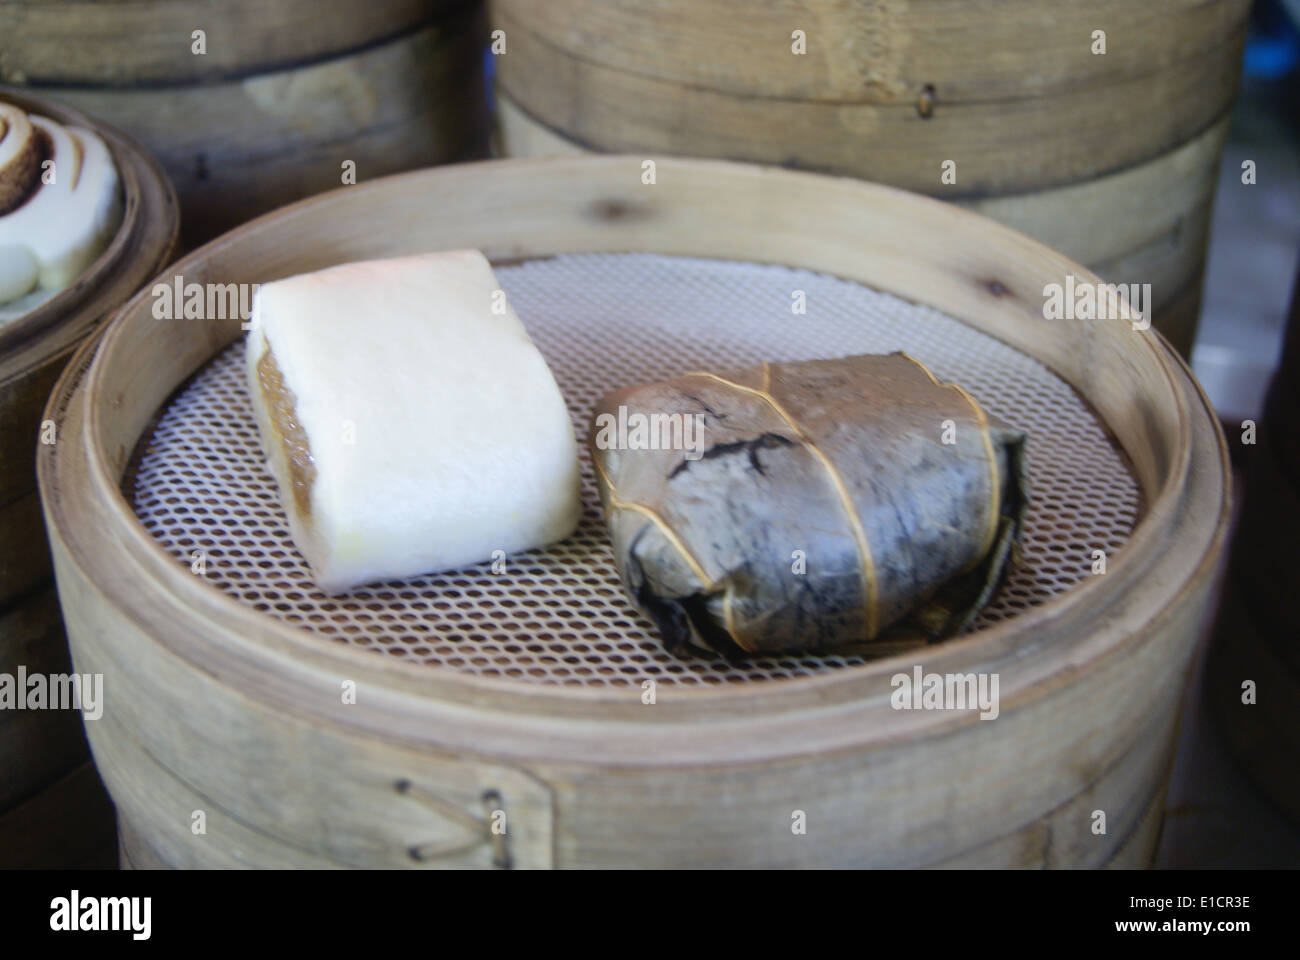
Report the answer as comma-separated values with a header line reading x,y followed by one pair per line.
x,y
410,423
71,213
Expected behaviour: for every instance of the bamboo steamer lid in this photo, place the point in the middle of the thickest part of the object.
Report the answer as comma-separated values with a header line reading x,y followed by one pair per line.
x,y
1148,223
227,698
35,347
356,90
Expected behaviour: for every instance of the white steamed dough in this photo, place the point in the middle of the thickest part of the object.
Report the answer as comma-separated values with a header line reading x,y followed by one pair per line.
x,y
67,218
436,431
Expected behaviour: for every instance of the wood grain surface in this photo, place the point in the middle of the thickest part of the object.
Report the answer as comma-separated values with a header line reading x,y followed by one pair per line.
x,y
1011,92
1146,224
137,42
235,149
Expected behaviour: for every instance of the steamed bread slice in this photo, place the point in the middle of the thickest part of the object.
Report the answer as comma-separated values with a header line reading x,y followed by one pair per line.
x,y
409,421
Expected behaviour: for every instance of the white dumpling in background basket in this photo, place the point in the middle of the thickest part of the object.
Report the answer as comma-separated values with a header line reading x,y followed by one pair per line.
x,y
59,204
410,423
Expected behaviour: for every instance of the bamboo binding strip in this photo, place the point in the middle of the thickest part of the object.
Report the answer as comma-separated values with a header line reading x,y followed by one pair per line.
x,y
250,125
220,706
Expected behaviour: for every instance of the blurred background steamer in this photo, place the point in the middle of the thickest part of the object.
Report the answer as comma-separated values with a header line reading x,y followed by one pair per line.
x,y
1095,128
252,104
53,810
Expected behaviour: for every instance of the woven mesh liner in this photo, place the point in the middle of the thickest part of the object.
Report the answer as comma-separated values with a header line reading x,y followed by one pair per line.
x,y
560,615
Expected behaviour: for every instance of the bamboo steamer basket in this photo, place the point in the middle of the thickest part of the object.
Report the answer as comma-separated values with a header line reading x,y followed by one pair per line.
x,y
220,704
288,92
42,751
1127,141
75,42
1148,223
35,347
1011,91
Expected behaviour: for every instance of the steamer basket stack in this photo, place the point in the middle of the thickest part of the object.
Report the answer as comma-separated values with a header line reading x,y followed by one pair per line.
x,y
1095,128
252,104
237,107
53,810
